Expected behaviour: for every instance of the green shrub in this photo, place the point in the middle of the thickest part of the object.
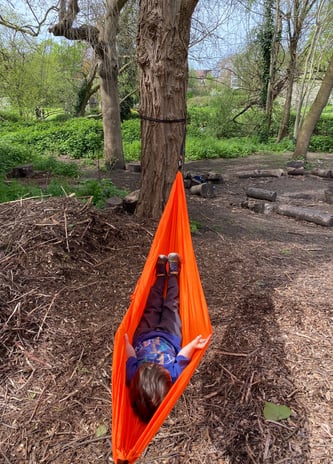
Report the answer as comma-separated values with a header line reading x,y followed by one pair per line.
x,y
209,147
13,190
132,151
77,138
9,116
324,126
320,143
56,167
99,190
130,130
12,155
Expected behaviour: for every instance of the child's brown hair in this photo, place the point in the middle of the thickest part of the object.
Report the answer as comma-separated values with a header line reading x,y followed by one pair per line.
x,y
148,388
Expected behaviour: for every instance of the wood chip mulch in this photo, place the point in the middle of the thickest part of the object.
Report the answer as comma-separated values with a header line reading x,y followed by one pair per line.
x,y
66,275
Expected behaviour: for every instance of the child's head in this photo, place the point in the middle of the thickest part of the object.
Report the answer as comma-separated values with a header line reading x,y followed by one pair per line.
x,y
148,388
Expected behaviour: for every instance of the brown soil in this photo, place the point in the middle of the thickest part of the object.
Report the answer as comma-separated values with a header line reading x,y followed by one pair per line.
x,y
67,272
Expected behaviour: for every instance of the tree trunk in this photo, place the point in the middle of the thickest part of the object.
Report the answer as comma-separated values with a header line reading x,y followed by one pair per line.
x,y
313,115
284,126
86,91
103,43
163,40
108,71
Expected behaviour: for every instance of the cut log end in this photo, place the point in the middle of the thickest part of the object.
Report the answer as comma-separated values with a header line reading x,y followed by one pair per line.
x,y
206,190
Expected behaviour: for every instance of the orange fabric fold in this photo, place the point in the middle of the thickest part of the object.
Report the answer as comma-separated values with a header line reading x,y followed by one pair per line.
x,y
130,437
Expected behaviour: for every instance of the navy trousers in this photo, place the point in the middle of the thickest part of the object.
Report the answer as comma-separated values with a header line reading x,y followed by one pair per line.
x,y
162,314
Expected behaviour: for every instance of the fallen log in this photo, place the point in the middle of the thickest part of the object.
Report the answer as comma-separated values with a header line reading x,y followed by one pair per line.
x,y
261,194
261,173
206,190
306,214
322,172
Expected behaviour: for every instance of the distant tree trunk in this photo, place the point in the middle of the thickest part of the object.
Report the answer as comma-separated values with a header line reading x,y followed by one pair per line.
x,y
163,40
296,16
313,115
103,43
86,91
291,73
272,81
108,71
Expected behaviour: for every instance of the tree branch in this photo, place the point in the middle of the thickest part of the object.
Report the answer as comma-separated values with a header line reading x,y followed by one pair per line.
x,y
27,29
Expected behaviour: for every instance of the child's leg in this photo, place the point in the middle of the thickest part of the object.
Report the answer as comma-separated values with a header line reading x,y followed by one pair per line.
x,y
170,319
152,313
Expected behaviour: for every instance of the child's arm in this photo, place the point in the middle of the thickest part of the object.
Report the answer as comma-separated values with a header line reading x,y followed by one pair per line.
x,y
198,343
130,352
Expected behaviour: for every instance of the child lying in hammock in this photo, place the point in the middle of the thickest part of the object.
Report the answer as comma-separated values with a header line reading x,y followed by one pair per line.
x,y
157,359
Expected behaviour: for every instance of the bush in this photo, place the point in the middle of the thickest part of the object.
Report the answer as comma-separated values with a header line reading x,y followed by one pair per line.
x,y
9,116
209,148
12,155
13,190
130,130
99,190
77,138
132,151
324,126
56,167
320,143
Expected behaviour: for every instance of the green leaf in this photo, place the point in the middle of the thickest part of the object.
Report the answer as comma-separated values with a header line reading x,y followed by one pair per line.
x,y
101,430
276,412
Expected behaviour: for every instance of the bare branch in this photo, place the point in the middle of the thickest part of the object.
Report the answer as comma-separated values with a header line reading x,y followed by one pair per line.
x,y
27,28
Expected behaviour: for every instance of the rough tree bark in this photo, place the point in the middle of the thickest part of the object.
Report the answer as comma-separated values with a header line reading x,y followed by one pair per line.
x,y
314,113
103,42
162,50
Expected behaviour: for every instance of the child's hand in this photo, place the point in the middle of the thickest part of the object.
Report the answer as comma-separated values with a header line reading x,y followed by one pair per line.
x,y
129,348
196,344
199,342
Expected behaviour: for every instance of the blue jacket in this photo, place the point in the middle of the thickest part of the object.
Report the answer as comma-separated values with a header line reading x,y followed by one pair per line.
x,y
158,347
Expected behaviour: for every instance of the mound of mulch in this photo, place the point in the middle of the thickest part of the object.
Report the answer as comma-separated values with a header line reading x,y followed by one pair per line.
x,y
67,272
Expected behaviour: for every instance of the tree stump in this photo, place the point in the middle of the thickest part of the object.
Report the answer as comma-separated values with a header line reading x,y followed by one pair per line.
x,y
25,170
134,167
329,196
206,190
130,201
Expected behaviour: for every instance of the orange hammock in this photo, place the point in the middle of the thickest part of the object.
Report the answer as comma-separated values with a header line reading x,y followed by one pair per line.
x,y
130,436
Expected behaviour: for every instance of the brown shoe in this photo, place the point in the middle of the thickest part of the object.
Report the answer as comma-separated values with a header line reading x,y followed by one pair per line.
x,y
161,266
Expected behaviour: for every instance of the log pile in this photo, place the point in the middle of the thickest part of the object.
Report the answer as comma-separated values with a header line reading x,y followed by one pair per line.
x,y
202,184
265,201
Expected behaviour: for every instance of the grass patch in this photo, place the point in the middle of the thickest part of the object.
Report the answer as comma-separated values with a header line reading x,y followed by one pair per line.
x,y
98,190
